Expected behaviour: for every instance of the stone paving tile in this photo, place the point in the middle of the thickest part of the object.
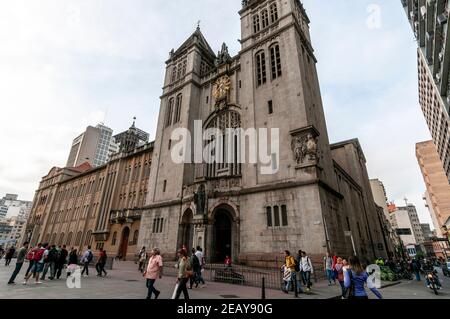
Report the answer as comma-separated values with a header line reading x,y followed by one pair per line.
x,y
125,282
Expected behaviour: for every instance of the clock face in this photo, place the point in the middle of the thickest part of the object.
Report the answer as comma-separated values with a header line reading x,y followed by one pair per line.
x,y
222,87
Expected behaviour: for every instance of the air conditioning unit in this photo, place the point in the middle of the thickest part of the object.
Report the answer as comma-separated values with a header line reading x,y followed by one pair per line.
x,y
423,11
442,19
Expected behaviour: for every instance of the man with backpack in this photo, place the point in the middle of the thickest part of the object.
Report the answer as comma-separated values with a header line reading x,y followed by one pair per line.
x,y
86,260
291,266
307,269
51,257
38,263
62,260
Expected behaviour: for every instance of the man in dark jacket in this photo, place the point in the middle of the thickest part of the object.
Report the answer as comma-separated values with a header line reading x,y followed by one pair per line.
x,y
9,255
62,260
415,268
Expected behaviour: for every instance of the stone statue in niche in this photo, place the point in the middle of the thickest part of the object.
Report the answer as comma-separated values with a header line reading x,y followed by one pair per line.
x,y
305,148
200,200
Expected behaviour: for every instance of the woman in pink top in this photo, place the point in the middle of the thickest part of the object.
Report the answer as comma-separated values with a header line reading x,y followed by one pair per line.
x,y
153,272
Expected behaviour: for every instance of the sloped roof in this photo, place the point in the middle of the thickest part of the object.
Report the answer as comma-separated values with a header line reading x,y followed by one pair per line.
x,y
197,38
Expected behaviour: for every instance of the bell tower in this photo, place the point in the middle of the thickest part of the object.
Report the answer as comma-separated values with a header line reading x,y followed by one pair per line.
x,y
281,89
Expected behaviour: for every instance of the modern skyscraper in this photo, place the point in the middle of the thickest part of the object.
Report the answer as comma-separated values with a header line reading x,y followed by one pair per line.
x,y
429,20
438,188
92,146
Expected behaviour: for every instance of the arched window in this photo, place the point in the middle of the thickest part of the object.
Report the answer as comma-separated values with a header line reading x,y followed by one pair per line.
x,y
53,241
169,112
135,237
265,18
78,240
114,239
275,61
61,239
261,76
273,13
178,108
88,240
69,239
256,25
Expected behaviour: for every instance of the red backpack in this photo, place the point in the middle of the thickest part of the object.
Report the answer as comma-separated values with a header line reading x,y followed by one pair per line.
x,y
38,254
30,255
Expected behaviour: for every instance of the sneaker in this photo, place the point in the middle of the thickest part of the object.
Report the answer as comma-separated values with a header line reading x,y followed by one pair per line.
x,y
204,286
24,283
11,283
38,282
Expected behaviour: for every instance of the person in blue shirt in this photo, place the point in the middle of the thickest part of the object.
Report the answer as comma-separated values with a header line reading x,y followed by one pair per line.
x,y
357,277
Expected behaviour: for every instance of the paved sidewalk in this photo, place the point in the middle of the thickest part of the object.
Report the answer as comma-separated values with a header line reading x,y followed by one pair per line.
x,y
125,282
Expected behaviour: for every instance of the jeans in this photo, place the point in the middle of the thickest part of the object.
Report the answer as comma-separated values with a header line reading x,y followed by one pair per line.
x,y
30,266
100,269
59,268
7,261
182,288
15,273
343,289
151,288
417,273
307,278
330,275
85,269
196,278
292,282
48,265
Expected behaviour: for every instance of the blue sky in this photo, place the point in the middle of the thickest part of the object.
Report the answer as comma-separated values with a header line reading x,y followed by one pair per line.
x,y
68,64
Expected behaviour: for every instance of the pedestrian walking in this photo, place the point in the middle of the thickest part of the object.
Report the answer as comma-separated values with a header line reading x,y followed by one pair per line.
x,y
38,264
328,266
355,280
72,263
2,251
307,270
201,258
415,268
9,255
142,259
290,272
153,272
62,261
51,257
21,255
196,268
30,258
86,260
184,273
101,262
339,268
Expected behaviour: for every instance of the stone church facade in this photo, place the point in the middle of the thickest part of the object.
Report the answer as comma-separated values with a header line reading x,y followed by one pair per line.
x,y
319,199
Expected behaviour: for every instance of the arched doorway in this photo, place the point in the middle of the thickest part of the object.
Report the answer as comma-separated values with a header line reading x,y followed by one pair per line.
x,y
222,236
123,248
186,230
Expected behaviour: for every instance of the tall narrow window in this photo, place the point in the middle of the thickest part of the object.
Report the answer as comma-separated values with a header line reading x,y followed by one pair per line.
x,y
256,25
273,13
284,217
275,61
276,213
114,239
165,186
265,19
261,76
161,225
270,106
174,73
169,113
269,216
178,109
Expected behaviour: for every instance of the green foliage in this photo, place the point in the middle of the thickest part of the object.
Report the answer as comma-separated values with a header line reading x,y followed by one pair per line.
x,y
387,274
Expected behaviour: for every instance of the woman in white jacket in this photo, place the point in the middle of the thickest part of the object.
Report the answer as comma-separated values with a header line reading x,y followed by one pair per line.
x,y
307,269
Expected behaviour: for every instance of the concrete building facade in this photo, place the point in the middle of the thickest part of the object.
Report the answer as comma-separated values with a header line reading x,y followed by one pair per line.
x,y
318,199
92,146
97,206
437,195
429,20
